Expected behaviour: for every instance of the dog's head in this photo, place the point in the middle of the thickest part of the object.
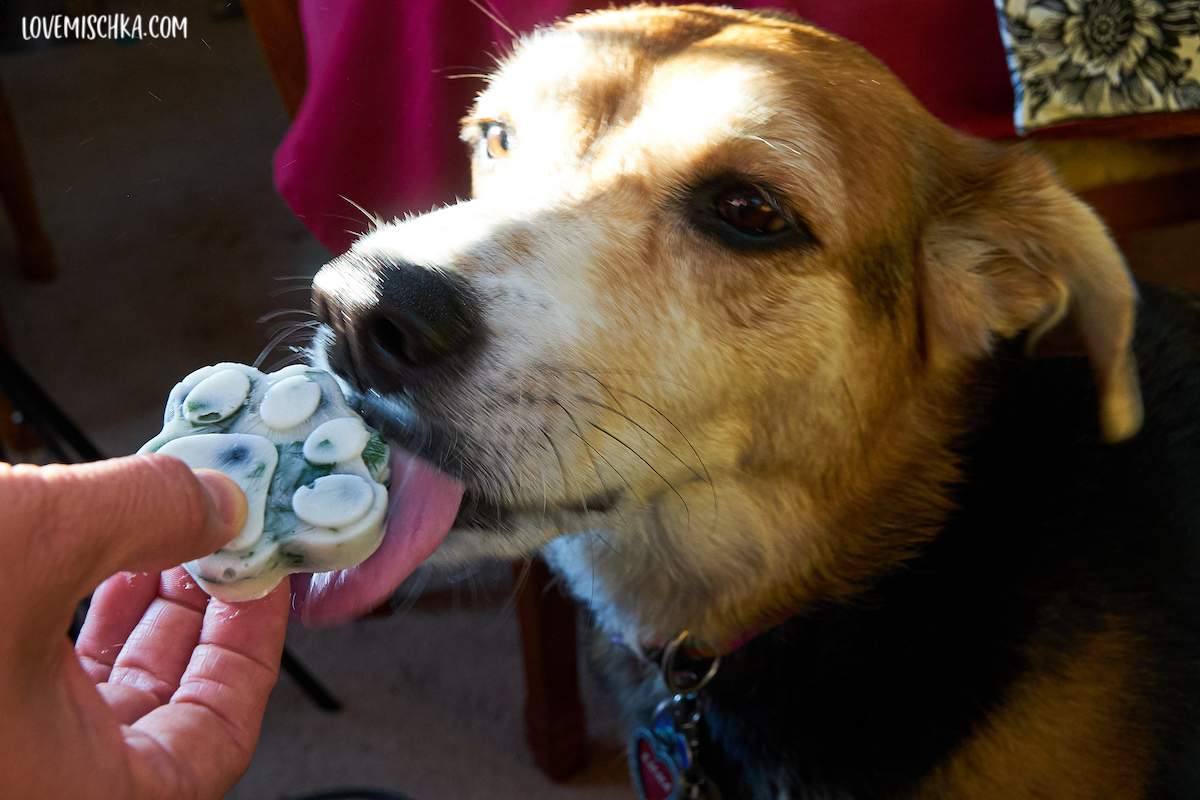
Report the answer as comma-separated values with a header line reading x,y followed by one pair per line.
x,y
715,290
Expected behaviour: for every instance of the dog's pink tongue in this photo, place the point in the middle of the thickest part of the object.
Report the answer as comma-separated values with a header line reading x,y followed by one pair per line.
x,y
422,504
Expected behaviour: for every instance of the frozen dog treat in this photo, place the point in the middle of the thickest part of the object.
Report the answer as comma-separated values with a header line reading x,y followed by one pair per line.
x,y
313,472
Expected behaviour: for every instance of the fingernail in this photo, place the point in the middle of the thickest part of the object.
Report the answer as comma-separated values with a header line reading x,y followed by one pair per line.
x,y
227,498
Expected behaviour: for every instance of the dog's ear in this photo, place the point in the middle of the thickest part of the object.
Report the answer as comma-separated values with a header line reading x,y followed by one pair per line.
x,y
1012,251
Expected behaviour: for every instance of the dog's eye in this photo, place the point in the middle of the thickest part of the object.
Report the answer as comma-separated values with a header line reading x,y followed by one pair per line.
x,y
745,216
495,137
750,211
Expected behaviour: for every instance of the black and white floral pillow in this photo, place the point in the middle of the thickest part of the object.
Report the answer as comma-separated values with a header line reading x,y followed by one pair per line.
x,y
1079,59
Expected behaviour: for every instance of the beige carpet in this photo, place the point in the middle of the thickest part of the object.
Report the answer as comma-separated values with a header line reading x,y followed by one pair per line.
x,y
433,708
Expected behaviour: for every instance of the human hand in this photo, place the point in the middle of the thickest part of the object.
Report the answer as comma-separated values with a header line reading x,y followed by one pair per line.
x,y
164,693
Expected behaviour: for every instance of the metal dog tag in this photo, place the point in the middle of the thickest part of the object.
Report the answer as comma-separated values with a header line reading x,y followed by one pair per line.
x,y
663,755
655,774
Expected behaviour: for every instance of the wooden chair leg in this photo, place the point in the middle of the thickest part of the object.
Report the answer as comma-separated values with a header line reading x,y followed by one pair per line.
x,y
277,25
35,255
555,726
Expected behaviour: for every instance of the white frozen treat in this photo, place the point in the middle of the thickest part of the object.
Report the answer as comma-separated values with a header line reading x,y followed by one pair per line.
x,y
313,473
217,396
289,402
333,501
337,440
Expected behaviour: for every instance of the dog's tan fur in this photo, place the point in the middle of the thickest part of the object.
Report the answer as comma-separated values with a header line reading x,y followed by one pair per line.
x,y
1073,728
606,311
759,413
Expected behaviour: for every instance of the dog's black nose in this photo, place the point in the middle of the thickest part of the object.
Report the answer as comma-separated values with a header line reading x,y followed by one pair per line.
x,y
395,318
422,315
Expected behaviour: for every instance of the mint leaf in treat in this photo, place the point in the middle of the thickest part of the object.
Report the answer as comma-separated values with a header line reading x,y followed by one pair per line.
x,y
375,454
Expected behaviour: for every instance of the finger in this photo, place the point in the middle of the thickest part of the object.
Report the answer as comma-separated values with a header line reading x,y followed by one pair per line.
x,y
158,648
179,586
137,513
208,731
128,703
255,629
116,607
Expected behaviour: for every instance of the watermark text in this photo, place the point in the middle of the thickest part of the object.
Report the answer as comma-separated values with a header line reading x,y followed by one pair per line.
x,y
103,26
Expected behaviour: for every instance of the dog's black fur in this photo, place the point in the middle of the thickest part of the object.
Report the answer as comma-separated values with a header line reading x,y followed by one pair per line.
x,y
1055,536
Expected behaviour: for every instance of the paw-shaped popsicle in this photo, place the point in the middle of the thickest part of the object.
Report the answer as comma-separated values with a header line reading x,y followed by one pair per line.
x,y
313,472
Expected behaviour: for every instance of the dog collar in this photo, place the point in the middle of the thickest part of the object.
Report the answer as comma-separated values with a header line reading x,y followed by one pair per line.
x,y
653,653
678,650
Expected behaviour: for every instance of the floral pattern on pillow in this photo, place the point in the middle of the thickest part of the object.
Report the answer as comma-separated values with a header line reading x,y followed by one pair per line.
x,y
1082,59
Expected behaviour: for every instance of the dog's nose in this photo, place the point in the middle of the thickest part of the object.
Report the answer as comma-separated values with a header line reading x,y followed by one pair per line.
x,y
422,316
414,318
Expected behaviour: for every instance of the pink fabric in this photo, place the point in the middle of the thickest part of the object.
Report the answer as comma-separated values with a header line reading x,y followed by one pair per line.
x,y
379,123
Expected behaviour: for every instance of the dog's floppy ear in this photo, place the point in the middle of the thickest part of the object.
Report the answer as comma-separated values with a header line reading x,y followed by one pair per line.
x,y
1011,250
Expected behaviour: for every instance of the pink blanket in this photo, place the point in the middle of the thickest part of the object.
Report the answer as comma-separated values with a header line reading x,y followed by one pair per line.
x,y
379,123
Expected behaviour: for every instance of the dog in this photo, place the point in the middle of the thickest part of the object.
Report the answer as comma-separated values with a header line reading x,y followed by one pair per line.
x,y
763,358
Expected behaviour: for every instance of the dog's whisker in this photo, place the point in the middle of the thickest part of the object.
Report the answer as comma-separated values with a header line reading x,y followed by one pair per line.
x,y
491,13
356,220
699,459
603,386
497,59
375,220
278,339
293,329
282,312
862,435
518,585
695,473
562,470
412,594
653,469
448,67
452,446
591,373
545,496
565,484
293,326
620,411
287,361
593,449
299,358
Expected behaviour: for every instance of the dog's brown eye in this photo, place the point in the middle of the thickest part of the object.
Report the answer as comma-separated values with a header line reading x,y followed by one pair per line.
x,y
496,136
746,216
748,209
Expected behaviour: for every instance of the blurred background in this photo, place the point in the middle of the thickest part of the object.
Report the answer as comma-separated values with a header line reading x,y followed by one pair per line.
x,y
150,166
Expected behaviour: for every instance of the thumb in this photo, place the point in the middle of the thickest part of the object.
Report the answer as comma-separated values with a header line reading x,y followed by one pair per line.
x,y
136,513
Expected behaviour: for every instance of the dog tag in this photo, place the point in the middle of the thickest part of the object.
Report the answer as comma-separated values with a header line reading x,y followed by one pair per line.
x,y
655,775
662,756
